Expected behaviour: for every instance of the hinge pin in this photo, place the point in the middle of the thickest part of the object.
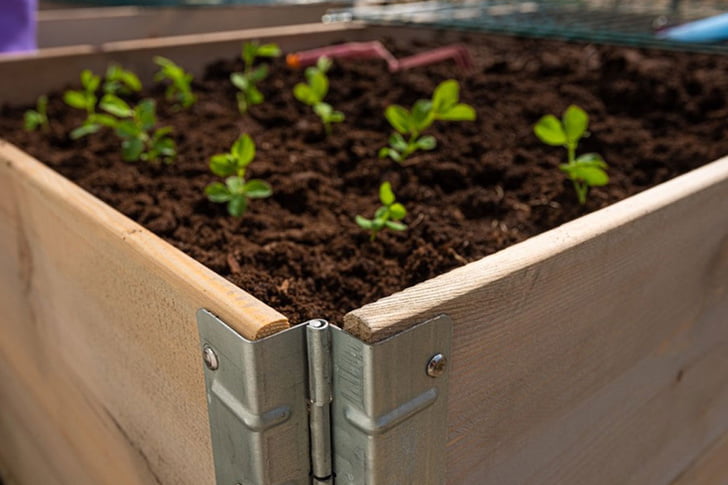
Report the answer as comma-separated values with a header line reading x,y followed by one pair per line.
x,y
210,358
318,337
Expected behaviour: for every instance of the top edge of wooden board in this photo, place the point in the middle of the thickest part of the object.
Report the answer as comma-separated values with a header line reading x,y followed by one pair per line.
x,y
398,312
249,316
231,35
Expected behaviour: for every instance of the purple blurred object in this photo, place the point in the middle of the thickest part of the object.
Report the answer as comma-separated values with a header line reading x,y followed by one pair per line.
x,y
17,25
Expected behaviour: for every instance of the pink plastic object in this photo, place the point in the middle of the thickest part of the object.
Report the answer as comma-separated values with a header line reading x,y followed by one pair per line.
x,y
375,49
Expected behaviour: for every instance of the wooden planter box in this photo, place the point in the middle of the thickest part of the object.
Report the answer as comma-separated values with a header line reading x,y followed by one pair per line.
x,y
596,352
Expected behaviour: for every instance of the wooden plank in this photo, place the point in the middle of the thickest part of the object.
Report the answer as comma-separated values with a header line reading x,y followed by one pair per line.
x,y
593,353
95,26
710,469
21,84
98,329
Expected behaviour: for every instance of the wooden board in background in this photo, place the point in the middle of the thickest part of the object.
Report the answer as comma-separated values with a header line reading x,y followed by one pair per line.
x,y
95,26
595,353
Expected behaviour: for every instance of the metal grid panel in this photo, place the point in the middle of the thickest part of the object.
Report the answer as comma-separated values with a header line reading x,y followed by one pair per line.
x,y
614,21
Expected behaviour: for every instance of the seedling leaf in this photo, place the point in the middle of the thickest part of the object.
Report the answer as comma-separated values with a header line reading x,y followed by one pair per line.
x,y
399,118
75,99
363,223
549,130
257,189
446,96
217,192
427,143
397,211
84,130
38,117
304,94
116,106
592,159
259,73
386,196
237,205
459,112
319,85
268,50
422,115
395,226
244,150
575,122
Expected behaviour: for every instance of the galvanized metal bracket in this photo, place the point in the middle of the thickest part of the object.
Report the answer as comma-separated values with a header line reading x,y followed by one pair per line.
x,y
256,400
315,405
389,413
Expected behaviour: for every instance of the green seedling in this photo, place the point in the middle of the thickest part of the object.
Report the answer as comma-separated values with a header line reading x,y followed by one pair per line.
x,y
585,171
248,80
387,216
179,89
443,106
236,191
86,100
120,82
37,118
136,128
314,91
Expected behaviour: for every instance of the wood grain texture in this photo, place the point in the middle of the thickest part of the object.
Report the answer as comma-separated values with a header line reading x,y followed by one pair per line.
x,y
100,369
710,469
596,353
95,26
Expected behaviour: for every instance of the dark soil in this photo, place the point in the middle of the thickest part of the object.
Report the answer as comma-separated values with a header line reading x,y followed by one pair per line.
x,y
489,184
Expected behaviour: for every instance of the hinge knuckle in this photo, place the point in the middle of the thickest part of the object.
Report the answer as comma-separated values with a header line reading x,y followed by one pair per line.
x,y
318,343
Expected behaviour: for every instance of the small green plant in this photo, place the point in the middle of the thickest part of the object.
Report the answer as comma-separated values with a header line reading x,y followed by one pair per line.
x,y
387,216
248,80
120,82
37,118
314,91
585,171
443,106
179,89
86,99
136,128
236,191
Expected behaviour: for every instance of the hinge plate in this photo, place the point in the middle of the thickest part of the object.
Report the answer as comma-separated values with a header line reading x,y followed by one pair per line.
x,y
389,417
256,400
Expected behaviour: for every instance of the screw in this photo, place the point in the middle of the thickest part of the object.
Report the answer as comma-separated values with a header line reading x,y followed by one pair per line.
x,y
210,358
436,366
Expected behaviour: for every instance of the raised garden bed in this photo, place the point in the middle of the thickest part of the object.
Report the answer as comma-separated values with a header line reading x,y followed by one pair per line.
x,y
605,322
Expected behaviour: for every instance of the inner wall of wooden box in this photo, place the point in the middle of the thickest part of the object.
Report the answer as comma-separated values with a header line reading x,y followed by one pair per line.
x,y
614,322
94,26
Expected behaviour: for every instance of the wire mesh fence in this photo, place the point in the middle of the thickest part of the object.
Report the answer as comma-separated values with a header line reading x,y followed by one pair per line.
x,y
607,21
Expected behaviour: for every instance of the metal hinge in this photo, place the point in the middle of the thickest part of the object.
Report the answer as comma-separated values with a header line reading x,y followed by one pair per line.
x,y
315,405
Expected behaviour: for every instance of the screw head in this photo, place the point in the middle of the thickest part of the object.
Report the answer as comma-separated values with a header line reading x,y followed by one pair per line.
x,y
210,358
437,365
